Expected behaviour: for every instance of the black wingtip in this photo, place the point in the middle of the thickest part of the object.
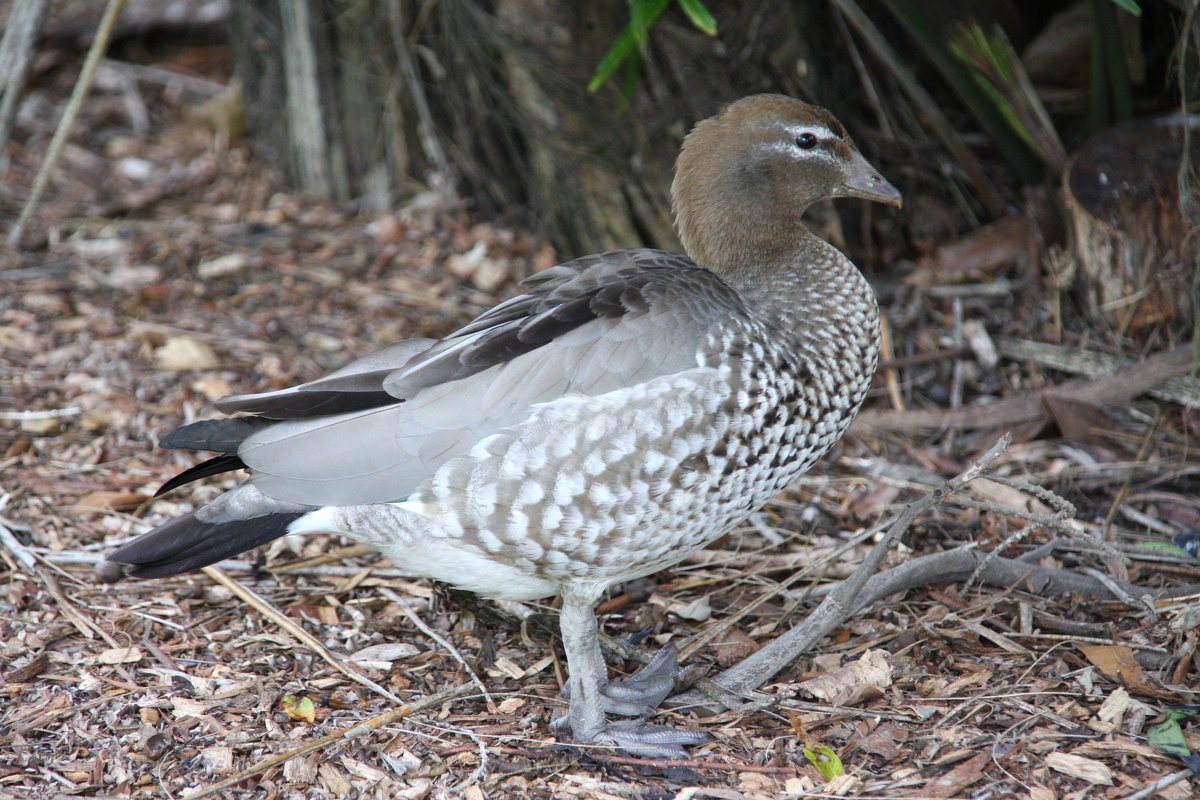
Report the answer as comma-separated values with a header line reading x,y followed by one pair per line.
x,y
188,543
216,465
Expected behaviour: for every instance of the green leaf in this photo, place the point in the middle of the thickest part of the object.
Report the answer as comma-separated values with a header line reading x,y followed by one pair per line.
x,y
630,81
826,761
625,44
300,709
1167,736
1129,5
637,22
701,17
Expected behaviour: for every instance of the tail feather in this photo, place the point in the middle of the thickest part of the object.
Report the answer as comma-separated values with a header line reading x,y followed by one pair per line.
x,y
187,543
216,465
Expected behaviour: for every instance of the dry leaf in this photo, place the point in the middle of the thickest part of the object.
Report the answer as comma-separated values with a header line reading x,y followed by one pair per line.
x,y
334,780
510,705
1007,497
363,771
186,707
799,785
733,647
120,655
697,610
222,265
301,770
859,680
961,776
1114,706
381,656
884,741
1118,662
31,669
975,678
218,758
212,387
979,254
183,352
111,501
1080,767
875,502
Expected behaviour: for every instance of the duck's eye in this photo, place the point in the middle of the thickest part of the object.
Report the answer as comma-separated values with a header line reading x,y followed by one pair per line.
x,y
806,141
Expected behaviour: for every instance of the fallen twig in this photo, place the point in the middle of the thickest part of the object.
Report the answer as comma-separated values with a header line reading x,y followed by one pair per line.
x,y
1184,390
844,600
65,125
372,724
271,613
1156,787
1119,387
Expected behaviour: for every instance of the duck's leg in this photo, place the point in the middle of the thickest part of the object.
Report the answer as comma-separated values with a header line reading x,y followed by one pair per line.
x,y
591,694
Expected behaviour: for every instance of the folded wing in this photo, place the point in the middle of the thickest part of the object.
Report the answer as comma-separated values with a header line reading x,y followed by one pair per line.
x,y
591,326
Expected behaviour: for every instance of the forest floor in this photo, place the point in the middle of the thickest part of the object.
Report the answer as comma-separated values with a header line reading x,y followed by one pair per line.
x,y
171,268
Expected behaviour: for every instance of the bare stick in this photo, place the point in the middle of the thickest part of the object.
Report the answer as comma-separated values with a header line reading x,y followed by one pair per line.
x,y
273,614
16,54
9,539
67,123
1156,787
441,642
841,603
373,724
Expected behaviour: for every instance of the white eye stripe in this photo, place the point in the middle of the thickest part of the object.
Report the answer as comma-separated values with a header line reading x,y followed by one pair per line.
x,y
790,149
820,131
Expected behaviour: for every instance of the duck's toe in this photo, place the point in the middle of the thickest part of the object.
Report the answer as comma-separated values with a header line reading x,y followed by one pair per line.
x,y
643,691
637,738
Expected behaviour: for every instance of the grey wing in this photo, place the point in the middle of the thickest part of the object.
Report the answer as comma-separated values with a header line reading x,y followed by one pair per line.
x,y
587,327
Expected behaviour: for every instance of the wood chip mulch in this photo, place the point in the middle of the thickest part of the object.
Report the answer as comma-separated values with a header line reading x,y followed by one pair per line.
x,y
177,270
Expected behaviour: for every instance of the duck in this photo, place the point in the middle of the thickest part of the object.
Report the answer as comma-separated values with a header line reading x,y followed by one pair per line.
x,y
624,410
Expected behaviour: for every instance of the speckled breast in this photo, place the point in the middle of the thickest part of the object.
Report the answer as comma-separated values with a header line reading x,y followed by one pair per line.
x,y
617,486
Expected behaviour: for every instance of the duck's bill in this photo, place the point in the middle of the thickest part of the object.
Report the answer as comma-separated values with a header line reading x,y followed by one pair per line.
x,y
866,182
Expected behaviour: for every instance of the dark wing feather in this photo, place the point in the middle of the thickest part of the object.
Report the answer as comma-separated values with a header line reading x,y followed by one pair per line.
x,y
563,298
215,435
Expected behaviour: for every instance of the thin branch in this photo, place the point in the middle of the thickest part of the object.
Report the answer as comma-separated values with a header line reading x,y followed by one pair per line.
x,y
65,125
373,724
270,612
25,19
841,604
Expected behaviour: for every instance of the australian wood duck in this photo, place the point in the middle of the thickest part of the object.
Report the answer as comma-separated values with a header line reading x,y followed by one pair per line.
x,y
626,410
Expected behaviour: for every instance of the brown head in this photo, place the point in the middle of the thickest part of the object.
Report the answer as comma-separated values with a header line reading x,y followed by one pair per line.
x,y
746,176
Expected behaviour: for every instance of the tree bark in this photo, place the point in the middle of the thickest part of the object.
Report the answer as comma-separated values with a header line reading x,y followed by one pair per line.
x,y
368,100
1136,257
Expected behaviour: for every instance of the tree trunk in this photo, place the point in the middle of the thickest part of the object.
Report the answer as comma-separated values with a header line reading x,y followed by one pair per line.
x,y
368,99
1137,263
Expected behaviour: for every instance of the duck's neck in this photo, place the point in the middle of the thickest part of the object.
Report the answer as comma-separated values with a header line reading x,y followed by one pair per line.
x,y
815,301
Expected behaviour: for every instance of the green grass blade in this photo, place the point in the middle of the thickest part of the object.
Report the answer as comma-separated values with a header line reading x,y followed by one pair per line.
x,y
962,81
625,44
700,16
637,22
1129,5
